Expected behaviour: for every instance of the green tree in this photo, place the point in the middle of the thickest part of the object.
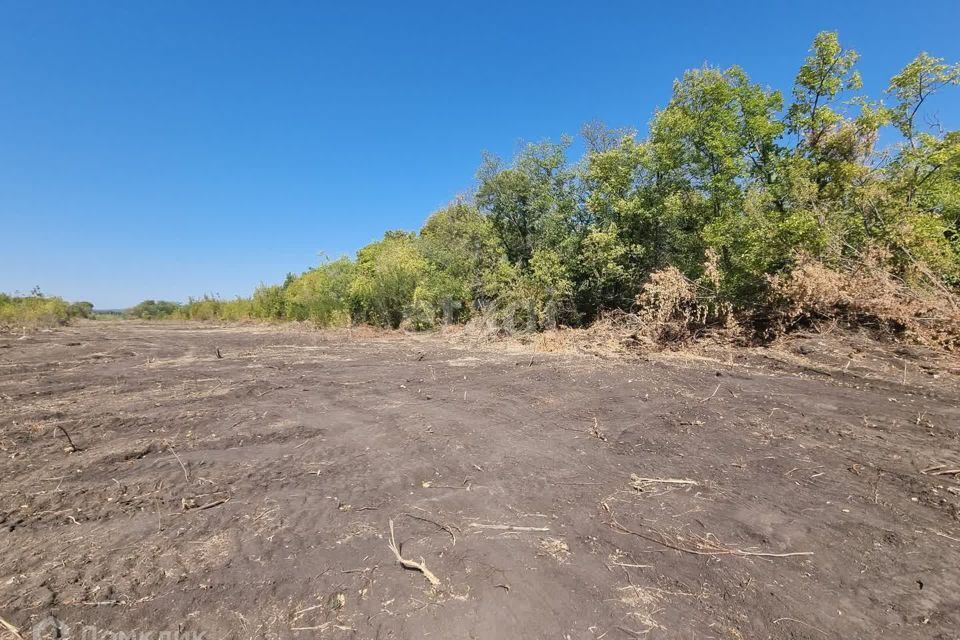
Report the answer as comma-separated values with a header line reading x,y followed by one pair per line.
x,y
322,295
924,176
531,199
387,275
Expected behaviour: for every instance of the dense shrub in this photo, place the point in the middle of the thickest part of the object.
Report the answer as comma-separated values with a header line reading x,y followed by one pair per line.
x,y
722,213
152,310
321,295
387,275
38,310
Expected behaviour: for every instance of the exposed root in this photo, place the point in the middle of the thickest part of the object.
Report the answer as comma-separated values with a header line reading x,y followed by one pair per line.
x,y
72,448
410,564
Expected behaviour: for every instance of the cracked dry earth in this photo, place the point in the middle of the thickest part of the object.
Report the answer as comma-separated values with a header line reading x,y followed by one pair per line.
x,y
799,493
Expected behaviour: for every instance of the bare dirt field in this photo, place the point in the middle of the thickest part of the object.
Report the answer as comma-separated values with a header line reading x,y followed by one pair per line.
x,y
808,491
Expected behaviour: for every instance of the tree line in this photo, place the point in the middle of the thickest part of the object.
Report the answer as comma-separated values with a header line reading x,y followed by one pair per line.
x,y
733,195
37,309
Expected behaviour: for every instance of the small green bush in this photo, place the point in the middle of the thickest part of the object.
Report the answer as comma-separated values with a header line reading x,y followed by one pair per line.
x,y
153,310
36,310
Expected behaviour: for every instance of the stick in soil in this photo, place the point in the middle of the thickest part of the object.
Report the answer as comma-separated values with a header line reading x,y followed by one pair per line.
x,y
186,474
410,564
73,448
712,550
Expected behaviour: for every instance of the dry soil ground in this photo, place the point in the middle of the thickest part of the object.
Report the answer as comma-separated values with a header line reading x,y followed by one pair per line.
x,y
552,495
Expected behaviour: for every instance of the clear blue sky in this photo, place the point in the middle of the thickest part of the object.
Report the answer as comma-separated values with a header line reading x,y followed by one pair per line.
x,y
173,148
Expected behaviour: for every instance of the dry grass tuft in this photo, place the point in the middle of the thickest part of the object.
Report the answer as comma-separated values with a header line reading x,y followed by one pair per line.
x,y
556,549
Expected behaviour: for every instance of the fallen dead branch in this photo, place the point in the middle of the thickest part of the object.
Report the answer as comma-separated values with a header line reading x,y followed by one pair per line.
x,y
211,505
507,527
943,535
410,564
707,547
11,628
947,472
323,627
640,484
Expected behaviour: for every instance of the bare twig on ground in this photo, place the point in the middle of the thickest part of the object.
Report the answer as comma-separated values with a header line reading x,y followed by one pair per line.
x,y
632,566
640,483
299,614
211,505
939,470
709,548
506,527
12,629
323,627
712,394
428,484
410,564
186,474
446,527
943,535
779,620
796,363
596,432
